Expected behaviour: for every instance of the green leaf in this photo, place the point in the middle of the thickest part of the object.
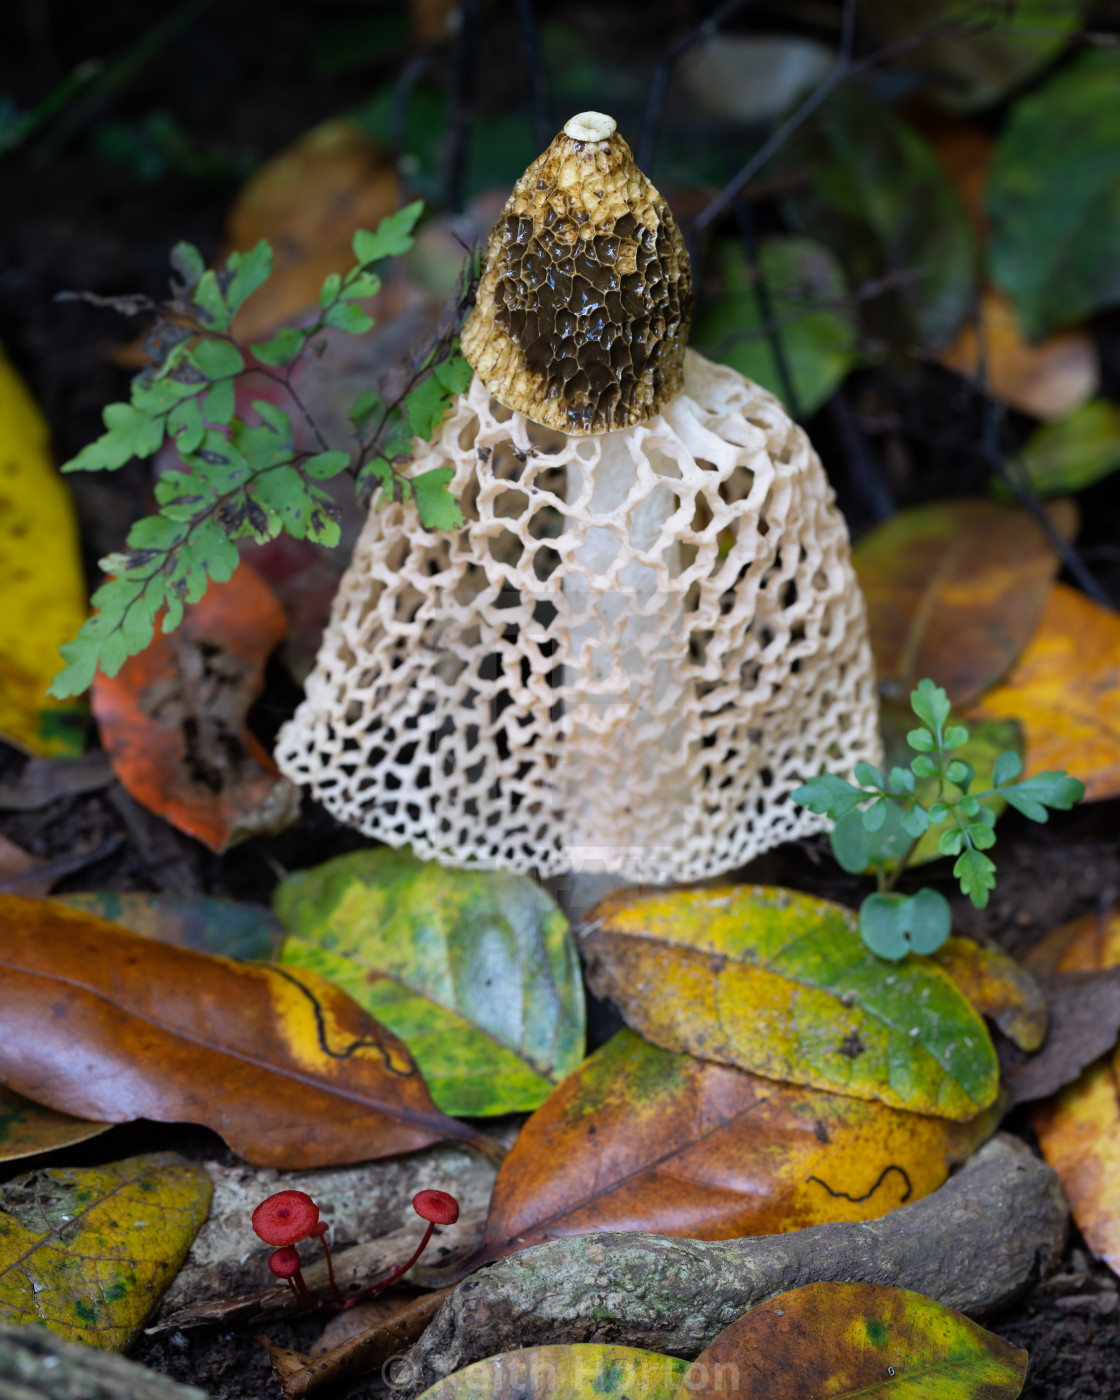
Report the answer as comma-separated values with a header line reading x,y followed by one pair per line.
x,y
185,425
858,850
878,196
874,816
578,1371
393,236
331,286
284,492
248,932
209,303
829,796
250,271
950,842
360,286
189,263
368,403
283,348
915,821
1074,452
808,295
931,704
216,359
893,925
773,981
982,836
454,374
956,736
346,316
438,508
1034,795
901,782
977,876
130,434
425,406
219,403
474,970
921,740
1054,196
325,465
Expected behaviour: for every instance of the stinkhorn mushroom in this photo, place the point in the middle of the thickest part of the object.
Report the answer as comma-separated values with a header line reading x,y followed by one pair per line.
x,y
648,631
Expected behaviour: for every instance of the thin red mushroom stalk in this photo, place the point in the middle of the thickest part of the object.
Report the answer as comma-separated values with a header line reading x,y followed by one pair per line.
x,y
290,1216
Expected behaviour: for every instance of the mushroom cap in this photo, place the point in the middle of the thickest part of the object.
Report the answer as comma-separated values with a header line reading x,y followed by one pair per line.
x,y
585,300
436,1206
631,653
285,1218
284,1263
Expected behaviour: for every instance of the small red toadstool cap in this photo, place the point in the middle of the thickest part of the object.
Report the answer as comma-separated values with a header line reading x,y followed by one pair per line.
x,y
284,1263
436,1206
286,1218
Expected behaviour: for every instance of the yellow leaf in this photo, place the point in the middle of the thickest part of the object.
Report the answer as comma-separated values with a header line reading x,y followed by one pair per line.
x,y
89,1251
1065,691
999,988
591,1371
41,583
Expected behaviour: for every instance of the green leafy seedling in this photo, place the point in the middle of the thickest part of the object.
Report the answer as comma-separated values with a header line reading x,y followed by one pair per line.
x,y
880,820
249,480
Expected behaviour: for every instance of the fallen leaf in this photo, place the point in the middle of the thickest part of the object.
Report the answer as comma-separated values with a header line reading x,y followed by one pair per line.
x,y
476,971
1084,1025
782,984
808,295
954,590
1074,452
970,55
28,1128
999,988
88,1251
41,578
14,860
642,1139
588,1371
286,1067
751,78
46,780
1065,692
173,719
880,200
248,932
308,201
1048,379
399,1323
843,1340
1054,197
1087,944
41,878
1079,1129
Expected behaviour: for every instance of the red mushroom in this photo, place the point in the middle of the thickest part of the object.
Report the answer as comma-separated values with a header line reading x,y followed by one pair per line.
x,y
437,1208
291,1216
284,1263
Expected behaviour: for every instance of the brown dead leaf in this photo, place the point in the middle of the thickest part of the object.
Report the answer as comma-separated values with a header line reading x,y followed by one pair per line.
x,y
399,1324
173,718
307,202
288,1069
954,590
1047,380
1079,1128
15,861
1065,692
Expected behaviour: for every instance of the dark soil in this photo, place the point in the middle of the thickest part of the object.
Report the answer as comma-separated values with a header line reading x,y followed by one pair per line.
x,y
242,80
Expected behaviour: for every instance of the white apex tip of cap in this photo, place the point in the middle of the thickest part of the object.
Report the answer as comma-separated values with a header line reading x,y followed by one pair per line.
x,y
590,126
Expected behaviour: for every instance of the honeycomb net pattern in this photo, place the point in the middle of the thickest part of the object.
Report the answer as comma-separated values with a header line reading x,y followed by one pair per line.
x,y
633,651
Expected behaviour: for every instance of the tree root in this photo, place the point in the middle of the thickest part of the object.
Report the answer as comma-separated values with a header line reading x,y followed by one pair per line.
x,y
974,1244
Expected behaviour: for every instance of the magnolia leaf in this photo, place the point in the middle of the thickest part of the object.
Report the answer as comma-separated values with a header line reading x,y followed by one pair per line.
x,y
87,1252
248,932
474,970
41,579
27,1128
782,984
643,1139
285,1066
808,301
844,1340
999,988
1055,258
1065,691
954,590
590,1371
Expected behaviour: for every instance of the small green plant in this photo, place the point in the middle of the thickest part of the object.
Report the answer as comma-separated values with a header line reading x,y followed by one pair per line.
x,y
875,817
249,479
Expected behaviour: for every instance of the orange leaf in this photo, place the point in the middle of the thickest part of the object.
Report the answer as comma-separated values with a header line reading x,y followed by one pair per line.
x,y
954,590
173,719
102,1023
1079,1128
1065,691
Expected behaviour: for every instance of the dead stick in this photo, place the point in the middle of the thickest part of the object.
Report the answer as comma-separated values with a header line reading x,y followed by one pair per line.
x,y
974,1244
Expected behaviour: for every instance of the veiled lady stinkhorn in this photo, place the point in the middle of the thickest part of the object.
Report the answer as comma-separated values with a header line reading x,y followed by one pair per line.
x,y
648,632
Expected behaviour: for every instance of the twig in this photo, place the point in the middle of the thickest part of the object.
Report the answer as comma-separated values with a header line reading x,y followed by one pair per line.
x,y
662,75
867,481
766,307
462,97
535,71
